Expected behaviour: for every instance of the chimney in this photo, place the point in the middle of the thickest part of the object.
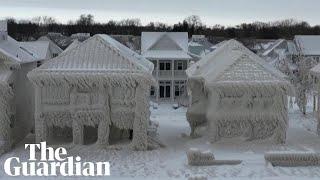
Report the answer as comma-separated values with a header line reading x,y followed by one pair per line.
x,y
3,30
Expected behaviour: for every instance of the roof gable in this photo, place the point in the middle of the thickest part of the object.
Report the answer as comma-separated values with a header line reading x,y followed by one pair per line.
x,y
165,43
99,53
246,69
233,62
149,39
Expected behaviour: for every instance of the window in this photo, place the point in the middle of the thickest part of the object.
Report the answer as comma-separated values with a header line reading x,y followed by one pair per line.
x,y
11,85
165,65
168,66
54,55
152,91
39,63
179,88
180,66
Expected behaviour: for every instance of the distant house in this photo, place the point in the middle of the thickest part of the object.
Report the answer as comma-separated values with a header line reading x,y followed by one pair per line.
x,y
199,45
308,46
273,51
17,98
42,49
168,51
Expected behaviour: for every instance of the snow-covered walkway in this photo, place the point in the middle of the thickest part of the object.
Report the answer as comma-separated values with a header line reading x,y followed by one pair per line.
x,y
171,162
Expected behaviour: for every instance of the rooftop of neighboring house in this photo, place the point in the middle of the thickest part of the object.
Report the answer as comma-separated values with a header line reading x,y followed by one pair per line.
x,y
308,44
21,52
165,45
11,50
202,40
274,46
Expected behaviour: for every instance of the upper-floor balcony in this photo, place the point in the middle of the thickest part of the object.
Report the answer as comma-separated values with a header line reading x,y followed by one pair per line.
x,y
175,74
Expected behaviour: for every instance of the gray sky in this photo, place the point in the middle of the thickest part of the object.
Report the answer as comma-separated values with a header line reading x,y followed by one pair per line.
x,y
225,12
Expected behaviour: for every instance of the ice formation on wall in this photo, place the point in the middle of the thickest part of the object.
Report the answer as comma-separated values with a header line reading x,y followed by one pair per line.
x,y
6,97
100,83
237,94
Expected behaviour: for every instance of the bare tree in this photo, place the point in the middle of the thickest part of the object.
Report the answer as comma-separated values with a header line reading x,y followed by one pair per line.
x,y
43,20
130,22
85,19
194,20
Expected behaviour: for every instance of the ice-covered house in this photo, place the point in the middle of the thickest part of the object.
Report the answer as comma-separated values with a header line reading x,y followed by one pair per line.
x,y
200,45
16,60
235,93
308,46
100,84
168,51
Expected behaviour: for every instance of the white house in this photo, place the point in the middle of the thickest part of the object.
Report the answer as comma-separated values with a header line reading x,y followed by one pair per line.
x,y
99,84
16,60
168,51
308,46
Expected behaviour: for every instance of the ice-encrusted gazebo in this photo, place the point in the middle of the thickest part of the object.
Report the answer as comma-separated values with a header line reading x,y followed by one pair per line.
x,y
100,83
236,93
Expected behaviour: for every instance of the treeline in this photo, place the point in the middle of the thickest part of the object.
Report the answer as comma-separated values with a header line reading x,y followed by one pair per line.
x,y
39,26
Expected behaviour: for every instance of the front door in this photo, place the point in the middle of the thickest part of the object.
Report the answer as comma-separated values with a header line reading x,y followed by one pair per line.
x,y
165,89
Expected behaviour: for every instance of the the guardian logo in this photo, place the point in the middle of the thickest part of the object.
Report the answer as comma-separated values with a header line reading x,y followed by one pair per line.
x,y
52,163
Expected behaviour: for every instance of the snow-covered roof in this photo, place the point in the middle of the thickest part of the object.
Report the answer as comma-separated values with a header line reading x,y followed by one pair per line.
x,y
308,44
276,44
38,49
218,45
74,44
233,63
161,45
53,47
11,50
99,54
192,43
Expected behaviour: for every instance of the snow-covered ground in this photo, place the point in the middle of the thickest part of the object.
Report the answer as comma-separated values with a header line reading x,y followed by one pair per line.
x,y
171,162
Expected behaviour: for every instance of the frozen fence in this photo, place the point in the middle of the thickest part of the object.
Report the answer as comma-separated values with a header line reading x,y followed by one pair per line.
x,y
292,159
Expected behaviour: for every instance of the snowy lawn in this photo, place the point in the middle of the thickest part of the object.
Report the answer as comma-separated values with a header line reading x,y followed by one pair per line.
x,y
171,162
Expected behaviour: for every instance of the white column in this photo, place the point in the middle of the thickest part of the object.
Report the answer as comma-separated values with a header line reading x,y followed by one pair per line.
x,y
77,132
142,115
157,79
318,109
41,128
172,81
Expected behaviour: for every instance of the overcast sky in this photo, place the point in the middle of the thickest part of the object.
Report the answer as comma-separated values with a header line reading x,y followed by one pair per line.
x,y
225,12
